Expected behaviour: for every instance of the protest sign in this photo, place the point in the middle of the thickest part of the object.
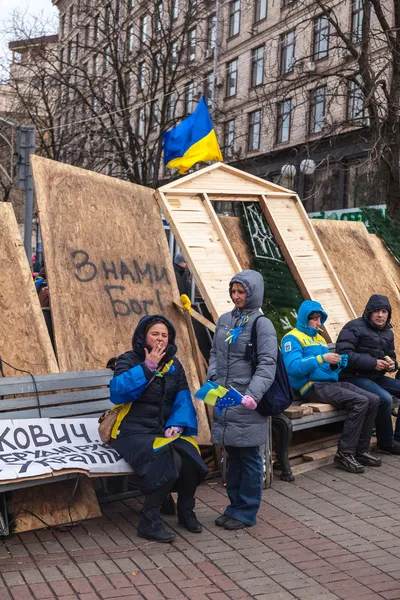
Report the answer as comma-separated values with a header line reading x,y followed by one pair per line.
x,y
32,448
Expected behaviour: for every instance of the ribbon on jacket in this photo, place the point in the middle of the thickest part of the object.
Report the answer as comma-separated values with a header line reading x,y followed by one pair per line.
x,y
233,334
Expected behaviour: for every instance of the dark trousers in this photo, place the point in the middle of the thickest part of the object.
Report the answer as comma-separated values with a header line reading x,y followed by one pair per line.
x,y
244,483
385,388
185,485
361,405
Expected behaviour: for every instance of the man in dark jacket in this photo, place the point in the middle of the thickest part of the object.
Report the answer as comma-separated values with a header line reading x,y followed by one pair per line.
x,y
182,275
369,343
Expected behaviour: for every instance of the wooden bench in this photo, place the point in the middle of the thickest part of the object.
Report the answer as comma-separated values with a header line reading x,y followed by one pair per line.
x,y
58,395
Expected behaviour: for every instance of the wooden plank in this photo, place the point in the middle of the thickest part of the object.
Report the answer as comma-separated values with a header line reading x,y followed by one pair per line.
x,y
310,466
221,233
20,404
234,234
108,264
24,339
332,296
297,412
318,407
54,382
199,257
198,317
319,454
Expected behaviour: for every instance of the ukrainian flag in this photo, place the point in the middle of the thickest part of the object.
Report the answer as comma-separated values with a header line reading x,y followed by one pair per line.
x,y
210,392
192,141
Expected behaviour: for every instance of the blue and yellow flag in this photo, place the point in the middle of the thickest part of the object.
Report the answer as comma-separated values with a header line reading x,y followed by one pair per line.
x,y
191,141
218,396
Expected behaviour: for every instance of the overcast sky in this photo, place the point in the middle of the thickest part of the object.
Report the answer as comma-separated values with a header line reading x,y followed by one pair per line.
x,y
29,8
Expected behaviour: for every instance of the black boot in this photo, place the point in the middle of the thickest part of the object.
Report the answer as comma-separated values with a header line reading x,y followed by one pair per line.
x,y
186,515
151,528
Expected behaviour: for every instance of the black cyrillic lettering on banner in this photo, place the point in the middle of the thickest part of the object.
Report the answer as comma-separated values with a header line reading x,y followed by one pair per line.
x,y
65,437
135,306
145,304
159,300
3,435
84,275
84,433
125,271
39,438
141,274
120,308
109,270
21,438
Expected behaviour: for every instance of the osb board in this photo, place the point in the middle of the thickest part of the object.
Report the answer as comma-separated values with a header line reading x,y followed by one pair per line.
x,y
108,265
308,261
203,242
50,502
363,264
234,234
24,340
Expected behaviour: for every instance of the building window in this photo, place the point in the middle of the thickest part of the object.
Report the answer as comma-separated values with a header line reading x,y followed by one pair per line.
x,y
234,18
211,31
127,84
175,9
69,53
95,28
260,10
62,26
71,18
231,78
95,64
171,102
357,17
254,134
76,47
174,57
191,44
356,111
131,38
141,76
87,36
159,15
317,109
141,122
209,88
106,59
229,138
257,66
287,43
284,117
131,4
189,98
321,38
154,115
107,17
143,28
287,2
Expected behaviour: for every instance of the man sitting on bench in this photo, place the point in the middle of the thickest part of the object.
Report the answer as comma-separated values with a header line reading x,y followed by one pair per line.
x,y
313,371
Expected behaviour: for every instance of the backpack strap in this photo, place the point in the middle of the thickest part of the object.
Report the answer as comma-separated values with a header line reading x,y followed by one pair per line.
x,y
253,341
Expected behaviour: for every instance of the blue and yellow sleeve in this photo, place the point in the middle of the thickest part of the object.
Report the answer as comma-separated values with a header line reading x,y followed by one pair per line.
x,y
128,386
295,363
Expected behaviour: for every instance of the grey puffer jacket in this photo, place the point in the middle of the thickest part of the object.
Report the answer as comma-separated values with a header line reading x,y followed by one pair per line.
x,y
240,426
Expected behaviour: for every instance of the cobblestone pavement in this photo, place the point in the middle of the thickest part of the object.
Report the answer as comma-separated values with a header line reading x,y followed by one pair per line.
x,y
329,535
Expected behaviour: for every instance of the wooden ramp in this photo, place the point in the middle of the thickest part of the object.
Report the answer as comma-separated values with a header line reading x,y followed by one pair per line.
x,y
24,340
186,204
108,265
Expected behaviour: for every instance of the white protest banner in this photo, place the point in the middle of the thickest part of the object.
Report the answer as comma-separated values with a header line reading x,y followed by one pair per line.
x,y
35,447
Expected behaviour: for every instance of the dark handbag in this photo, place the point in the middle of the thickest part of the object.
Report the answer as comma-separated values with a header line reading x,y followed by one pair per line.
x,y
280,395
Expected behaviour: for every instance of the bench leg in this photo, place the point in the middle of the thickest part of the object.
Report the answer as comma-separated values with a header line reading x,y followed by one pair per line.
x,y
282,431
4,523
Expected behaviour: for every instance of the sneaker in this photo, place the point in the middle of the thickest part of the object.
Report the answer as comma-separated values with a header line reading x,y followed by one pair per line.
x,y
393,449
368,460
220,521
189,520
233,524
347,462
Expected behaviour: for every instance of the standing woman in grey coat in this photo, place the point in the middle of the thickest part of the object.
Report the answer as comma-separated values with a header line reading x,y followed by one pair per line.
x,y
242,429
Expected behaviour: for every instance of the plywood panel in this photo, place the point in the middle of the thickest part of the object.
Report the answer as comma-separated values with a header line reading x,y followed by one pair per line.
x,y
206,248
363,264
312,269
234,234
108,264
24,340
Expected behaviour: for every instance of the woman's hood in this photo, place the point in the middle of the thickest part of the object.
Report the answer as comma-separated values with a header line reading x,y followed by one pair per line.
x,y
253,284
139,336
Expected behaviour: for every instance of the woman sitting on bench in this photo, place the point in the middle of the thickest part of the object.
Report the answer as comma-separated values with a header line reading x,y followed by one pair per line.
x,y
154,429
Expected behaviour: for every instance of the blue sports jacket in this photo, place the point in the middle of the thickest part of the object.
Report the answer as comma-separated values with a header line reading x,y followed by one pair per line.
x,y
303,351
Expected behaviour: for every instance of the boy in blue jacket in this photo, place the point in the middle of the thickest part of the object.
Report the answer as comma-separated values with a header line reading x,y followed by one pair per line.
x,y
313,371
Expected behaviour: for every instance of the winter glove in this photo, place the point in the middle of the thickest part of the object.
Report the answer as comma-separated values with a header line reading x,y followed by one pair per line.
x,y
173,431
249,402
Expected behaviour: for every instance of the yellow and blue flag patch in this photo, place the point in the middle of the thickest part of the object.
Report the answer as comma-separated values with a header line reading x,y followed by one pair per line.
x,y
192,141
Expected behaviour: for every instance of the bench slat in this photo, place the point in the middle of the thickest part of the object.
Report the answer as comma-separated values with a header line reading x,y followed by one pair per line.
x,y
54,382
317,419
21,404
85,408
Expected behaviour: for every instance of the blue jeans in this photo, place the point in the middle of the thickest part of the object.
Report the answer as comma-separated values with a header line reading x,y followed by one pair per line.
x,y
385,388
244,483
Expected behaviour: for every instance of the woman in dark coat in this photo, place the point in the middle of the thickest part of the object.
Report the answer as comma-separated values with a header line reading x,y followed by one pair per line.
x,y
155,426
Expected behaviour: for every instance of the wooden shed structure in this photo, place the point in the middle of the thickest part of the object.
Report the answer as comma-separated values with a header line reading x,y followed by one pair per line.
x,y
187,205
